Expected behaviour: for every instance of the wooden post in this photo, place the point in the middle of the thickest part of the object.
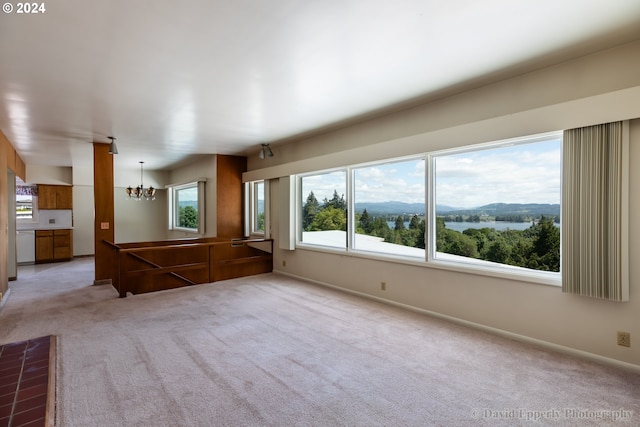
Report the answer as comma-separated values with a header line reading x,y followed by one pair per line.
x,y
104,213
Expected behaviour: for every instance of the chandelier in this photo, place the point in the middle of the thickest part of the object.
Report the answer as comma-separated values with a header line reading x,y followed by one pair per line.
x,y
140,192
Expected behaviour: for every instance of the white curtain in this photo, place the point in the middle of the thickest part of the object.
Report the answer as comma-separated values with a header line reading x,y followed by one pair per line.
x,y
595,212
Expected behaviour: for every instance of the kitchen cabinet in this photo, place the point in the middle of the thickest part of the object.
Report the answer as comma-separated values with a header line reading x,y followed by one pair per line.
x,y
54,245
55,197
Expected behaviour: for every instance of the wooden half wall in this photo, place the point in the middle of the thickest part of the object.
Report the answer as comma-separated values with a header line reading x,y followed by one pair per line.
x,y
229,205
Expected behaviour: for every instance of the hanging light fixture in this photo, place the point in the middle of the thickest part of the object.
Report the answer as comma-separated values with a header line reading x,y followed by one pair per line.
x,y
140,192
265,151
113,148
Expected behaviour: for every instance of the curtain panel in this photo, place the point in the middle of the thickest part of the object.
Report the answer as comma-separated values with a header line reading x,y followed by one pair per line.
x,y
594,259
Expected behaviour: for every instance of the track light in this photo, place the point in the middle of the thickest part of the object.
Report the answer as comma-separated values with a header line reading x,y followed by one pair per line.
x,y
265,151
113,148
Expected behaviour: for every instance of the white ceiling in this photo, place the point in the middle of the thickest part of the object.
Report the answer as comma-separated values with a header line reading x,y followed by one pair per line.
x,y
172,79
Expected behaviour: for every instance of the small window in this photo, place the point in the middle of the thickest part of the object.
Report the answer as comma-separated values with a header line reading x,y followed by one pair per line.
x,y
187,207
26,203
256,200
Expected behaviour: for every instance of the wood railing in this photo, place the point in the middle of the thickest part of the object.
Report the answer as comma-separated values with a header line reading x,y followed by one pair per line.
x,y
153,266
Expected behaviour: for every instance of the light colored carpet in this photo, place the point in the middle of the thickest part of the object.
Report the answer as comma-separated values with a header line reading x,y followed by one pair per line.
x,y
272,351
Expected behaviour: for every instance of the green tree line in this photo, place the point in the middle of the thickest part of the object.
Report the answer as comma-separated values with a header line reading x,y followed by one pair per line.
x,y
537,247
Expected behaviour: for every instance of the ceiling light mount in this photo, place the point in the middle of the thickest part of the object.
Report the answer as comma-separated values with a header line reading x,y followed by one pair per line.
x,y
113,148
265,151
140,192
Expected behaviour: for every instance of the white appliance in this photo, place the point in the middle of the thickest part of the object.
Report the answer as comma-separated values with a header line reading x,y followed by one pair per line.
x,y
26,246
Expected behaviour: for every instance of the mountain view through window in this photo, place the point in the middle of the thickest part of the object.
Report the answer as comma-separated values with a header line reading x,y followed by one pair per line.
x,y
495,203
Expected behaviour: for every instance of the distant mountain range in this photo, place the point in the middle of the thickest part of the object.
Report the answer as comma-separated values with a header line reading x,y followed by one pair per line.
x,y
492,209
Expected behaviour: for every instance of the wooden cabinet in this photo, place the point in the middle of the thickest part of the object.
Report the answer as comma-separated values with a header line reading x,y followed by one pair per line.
x,y
55,197
46,196
54,245
44,245
62,245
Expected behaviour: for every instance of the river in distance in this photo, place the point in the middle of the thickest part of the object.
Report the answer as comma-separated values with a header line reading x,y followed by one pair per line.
x,y
461,226
498,225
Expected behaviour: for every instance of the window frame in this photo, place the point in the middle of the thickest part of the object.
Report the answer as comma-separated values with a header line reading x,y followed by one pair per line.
x,y
430,260
299,205
252,210
465,263
199,185
35,212
351,190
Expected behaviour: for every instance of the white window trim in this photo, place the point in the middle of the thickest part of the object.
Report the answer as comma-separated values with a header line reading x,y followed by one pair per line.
x,y
251,209
200,184
447,262
299,202
477,266
35,214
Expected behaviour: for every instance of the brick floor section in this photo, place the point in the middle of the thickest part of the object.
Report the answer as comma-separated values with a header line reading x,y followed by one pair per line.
x,y
27,378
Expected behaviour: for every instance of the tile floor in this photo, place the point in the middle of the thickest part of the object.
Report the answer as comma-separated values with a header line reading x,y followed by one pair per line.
x,y
24,382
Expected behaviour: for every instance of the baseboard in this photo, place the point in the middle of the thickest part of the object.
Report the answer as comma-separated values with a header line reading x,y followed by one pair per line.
x,y
102,282
495,331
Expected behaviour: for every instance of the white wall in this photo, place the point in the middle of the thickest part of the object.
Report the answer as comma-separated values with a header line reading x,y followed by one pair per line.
x,y
53,175
83,206
140,220
595,89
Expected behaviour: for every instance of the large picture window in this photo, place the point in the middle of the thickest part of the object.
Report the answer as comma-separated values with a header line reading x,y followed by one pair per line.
x,y
500,203
489,206
389,206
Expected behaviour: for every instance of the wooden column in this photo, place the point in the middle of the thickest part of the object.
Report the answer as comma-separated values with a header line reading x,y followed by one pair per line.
x,y
104,214
229,194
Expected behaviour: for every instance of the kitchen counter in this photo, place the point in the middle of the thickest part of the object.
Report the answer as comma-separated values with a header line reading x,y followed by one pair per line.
x,y
37,227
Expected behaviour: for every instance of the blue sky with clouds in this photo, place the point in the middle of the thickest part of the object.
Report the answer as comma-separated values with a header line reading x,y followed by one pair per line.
x,y
523,173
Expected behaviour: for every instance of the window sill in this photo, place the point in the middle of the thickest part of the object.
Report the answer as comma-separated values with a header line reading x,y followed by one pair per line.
x,y
186,230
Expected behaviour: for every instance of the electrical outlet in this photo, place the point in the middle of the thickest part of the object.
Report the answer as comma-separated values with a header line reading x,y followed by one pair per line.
x,y
383,286
624,339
